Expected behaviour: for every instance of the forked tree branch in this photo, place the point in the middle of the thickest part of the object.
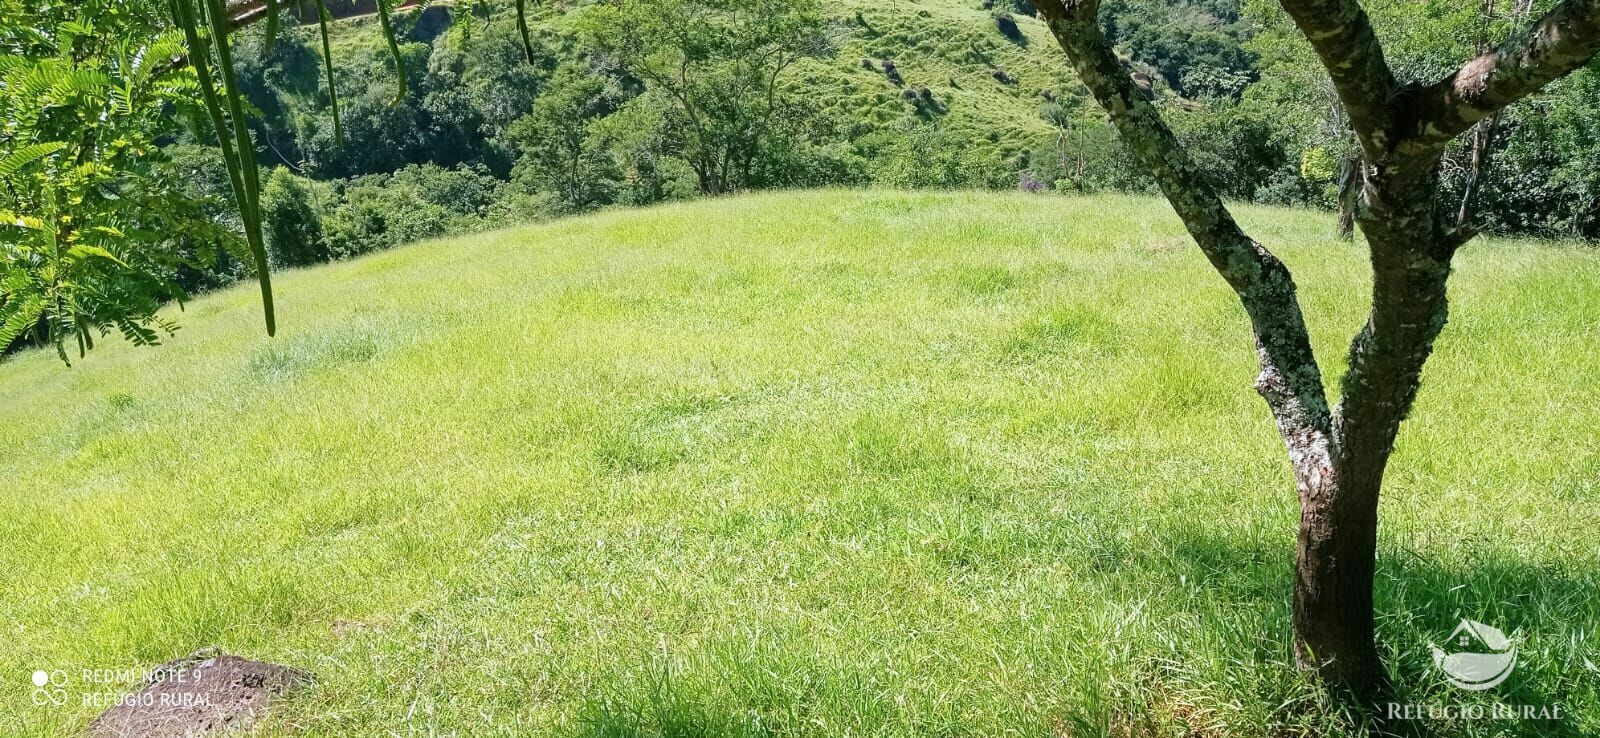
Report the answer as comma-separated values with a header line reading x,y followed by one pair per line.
x,y
1563,40
1290,380
1342,36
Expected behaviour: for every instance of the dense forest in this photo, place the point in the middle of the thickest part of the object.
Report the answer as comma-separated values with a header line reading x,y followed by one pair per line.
x,y
470,120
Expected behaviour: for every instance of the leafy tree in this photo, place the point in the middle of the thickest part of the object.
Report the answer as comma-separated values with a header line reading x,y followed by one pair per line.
x,y
560,156
94,219
1238,148
381,211
294,225
382,133
641,147
486,74
1339,453
720,65
1196,45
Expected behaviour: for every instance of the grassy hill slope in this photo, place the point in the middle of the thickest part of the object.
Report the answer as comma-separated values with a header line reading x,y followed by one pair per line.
x,y
950,47
808,464
953,48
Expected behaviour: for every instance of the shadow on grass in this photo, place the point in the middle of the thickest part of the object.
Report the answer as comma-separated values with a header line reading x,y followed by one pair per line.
x,y
1550,611
1224,666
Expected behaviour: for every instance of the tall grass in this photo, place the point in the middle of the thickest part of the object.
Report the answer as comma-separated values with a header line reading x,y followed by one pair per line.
x,y
808,464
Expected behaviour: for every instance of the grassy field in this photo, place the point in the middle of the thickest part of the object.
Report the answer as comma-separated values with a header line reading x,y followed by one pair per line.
x,y
811,464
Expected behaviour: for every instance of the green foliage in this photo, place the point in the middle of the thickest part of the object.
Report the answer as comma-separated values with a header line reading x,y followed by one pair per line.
x,y
389,37
1545,175
559,153
637,138
1088,157
1020,7
381,211
719,67
324,18
1195,45
1539,177
94,220
204,179
928,157
1239,149
293,221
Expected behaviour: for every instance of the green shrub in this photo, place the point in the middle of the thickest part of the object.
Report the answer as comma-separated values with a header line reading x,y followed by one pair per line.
x,y
467,190
927,156
293,221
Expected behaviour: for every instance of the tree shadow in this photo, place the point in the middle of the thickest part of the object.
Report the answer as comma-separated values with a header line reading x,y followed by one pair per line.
x,y
1235,592
1547,610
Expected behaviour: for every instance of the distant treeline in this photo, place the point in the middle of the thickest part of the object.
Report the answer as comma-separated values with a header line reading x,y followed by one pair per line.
x,y
629,104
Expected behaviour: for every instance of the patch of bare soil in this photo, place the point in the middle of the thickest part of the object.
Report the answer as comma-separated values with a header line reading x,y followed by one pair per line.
x,y
202,694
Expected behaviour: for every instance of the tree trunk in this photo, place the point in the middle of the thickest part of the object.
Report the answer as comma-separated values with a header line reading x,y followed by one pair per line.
x,y
1333,621
1333,603
1482,139
1349,186
1339,456
1333,596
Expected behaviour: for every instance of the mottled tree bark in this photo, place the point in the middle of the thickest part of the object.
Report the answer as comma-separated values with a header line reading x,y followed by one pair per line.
x,y
1339,456
1349,188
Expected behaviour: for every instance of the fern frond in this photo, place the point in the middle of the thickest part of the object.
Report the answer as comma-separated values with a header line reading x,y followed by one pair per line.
x,y
16,160
17,316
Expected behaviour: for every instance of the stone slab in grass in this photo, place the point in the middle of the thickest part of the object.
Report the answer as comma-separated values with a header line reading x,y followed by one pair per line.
x,y
203,694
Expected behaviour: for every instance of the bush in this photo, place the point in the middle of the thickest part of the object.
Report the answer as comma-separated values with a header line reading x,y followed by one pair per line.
x,y
467,190
293,221
1237,149
1020,7
929,157
1008,27
380,212
892,72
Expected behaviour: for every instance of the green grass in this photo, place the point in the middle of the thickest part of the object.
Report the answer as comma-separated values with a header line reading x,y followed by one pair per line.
x,y
807,464
951,47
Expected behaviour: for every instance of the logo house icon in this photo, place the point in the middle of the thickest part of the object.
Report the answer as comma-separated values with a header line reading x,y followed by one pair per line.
x,y
1483,656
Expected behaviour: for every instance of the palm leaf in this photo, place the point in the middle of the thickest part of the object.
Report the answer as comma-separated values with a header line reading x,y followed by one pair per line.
x,y
250,205
240,176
